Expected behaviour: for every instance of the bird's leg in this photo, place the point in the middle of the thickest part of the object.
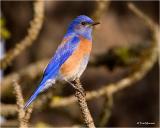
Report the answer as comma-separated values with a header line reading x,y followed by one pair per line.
x,y
81,90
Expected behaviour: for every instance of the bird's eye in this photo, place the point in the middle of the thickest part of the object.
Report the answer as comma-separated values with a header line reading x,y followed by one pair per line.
x,y
83,23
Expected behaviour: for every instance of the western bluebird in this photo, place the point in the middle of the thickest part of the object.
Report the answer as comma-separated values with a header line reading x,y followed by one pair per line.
x,y
71,57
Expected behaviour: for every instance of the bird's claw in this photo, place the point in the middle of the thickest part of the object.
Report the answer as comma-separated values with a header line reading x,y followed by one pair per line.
x,y
81,90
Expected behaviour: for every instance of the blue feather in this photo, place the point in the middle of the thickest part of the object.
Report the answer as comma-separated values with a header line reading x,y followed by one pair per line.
x,y
63,52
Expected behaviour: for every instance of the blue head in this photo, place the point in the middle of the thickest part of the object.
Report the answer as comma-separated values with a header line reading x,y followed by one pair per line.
x,y
82,25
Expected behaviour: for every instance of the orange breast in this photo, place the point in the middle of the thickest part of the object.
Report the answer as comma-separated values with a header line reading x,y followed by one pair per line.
x,y
70,67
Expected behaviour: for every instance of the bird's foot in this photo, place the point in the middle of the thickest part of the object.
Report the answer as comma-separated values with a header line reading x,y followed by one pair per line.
x,y
81,90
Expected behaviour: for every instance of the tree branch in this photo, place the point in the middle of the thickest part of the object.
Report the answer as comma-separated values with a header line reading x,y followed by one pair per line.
x,y
23,116
106,111
80,94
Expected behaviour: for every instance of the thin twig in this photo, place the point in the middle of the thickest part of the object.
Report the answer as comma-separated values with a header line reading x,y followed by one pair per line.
x,y
28,114
142,16
20,103
106,111
33,32
22,114
80,94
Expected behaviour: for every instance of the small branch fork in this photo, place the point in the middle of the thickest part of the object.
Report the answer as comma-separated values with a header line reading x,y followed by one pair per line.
x,y
80,94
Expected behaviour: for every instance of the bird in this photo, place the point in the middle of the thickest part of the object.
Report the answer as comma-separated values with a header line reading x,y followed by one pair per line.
x,y
71,57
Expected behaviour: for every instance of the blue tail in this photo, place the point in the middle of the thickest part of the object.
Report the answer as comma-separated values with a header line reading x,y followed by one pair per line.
x,y
41,88
33,97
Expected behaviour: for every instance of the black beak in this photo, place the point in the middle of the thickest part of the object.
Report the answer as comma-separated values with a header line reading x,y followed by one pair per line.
x,y
95,23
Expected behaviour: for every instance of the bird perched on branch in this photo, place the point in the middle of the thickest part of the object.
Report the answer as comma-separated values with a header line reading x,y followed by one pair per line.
x,y
71,57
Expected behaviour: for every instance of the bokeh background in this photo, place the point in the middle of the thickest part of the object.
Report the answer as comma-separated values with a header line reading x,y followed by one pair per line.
x,y
119,29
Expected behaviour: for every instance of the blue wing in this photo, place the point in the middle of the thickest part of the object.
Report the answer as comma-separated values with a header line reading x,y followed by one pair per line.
x,y
63,52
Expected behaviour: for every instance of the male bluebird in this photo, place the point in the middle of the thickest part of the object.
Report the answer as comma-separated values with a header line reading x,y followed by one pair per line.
x,y
71,57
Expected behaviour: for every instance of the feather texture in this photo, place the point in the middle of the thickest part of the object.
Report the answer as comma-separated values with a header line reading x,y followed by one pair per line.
x,y
70,68
63,52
